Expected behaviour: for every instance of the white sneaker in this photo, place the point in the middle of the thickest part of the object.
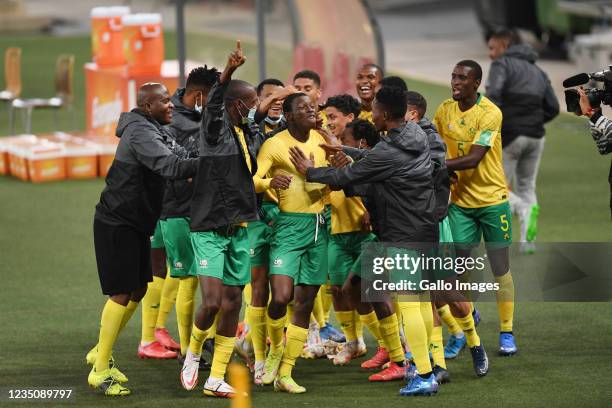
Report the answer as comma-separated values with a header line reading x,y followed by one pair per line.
x,y
244,348
259,373
348,352
189,372
362,349
313,348
214,387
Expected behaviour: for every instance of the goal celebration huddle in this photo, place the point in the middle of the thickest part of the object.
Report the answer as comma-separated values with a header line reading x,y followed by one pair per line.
x,y
264,197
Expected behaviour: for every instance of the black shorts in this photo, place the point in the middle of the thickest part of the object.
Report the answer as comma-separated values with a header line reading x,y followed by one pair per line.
x,y
123,256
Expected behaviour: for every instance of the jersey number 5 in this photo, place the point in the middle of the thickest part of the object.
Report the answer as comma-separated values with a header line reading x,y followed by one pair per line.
x,y
460,150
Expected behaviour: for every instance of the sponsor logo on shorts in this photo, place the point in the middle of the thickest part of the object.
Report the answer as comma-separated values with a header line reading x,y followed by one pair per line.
x,y
278,262
252,251
178,265
204,263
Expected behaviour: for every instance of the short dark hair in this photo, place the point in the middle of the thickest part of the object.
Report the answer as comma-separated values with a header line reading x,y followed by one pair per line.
x,y
507,34
474,65
345,103
202,78
268,81
418,101
372,65
393,101
308,74
363,129
288,102
236,89
394,81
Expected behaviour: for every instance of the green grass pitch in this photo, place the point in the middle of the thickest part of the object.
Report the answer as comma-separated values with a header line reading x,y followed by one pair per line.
x,y
50,300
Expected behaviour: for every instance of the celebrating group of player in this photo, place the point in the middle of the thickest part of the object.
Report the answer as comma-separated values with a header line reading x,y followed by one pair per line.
x,y
268,194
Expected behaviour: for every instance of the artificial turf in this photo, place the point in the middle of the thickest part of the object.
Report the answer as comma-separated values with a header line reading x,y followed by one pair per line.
x,y
50,299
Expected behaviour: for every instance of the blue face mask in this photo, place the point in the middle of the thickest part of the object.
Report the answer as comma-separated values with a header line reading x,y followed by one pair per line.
x,y
250,117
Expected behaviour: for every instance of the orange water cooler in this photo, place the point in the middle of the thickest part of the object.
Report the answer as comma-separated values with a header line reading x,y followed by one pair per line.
x,y
107,35
143,43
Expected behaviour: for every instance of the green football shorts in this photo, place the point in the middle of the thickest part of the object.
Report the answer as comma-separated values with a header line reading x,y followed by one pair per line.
x,y
223,254
157,240
470,225
343,254
298,248
259,234
177,241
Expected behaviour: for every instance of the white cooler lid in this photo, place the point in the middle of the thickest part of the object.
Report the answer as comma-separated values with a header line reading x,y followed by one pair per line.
x,y
141,19
107,12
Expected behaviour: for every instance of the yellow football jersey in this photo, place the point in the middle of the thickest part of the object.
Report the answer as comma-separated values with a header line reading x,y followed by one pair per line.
x,y
484,185
346,213
273,158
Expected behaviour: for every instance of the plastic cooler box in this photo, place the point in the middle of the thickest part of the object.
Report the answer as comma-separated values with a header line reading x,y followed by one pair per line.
x,y
4,160
107,35
106,154
143,43
38,160
81,155
16,155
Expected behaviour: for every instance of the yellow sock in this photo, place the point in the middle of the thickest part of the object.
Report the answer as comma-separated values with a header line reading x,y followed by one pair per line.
x,y
345,318
224,346
505,301
212,331
389,331
317,310
247,294
371,322
449,320
257,325
167,301
437,347
150,308
358,324
110,322
398,310
276,329
468,327
289,315
129,311
296,337
416,335
197,339
427,314
327,301
185,301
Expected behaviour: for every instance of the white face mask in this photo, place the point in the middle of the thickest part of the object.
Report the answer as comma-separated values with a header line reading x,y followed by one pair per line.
x,y
198,108
274,121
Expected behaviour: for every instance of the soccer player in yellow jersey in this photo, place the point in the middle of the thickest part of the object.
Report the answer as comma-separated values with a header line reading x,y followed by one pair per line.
x,y
470,124
298,248
367,83
271,93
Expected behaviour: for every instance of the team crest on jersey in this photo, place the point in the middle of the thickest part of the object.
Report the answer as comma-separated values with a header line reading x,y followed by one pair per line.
x,y
204,263
178,265
251,251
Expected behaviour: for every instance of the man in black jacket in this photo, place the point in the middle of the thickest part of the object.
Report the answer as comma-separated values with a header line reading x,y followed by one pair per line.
x,y
523,93
174,220
399,168
125,219
223,203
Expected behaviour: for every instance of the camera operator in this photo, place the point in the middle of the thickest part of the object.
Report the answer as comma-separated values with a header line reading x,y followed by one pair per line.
x,y
601,130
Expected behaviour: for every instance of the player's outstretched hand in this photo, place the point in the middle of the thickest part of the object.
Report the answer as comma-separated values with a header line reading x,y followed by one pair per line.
x,y
299,159
236,57
280,181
